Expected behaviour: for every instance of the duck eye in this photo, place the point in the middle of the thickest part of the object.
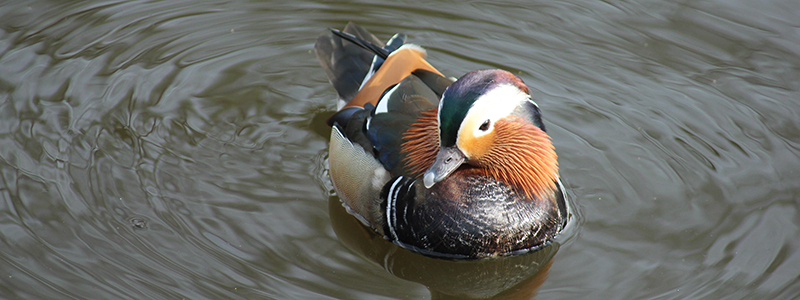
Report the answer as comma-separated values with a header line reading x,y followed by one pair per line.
x,y
484,126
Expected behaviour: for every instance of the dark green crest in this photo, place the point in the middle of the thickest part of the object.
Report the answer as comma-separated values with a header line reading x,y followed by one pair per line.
x,y
458,99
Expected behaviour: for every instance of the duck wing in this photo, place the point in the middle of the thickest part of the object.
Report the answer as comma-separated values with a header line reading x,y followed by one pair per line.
x,y
393,84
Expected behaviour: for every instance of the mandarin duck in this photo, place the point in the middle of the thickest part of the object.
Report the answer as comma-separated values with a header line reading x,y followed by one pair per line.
x,y
443,167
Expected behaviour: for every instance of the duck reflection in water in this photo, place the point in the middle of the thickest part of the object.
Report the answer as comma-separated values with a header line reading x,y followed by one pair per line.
x,y
508,277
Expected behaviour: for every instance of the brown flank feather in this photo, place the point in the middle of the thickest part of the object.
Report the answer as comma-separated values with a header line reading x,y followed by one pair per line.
x,y
522,156
422,143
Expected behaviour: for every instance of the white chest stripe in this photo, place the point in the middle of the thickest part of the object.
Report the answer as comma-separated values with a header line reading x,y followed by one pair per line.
x,y
391,210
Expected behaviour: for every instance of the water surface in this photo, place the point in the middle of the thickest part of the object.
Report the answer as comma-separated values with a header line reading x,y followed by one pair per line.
x,y
177,149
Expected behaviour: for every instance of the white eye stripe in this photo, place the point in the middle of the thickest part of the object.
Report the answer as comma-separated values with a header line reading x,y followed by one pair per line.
x,y
481,131
493,105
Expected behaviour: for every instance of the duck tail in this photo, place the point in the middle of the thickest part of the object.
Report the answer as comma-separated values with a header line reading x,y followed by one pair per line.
x,y
346,63
377,50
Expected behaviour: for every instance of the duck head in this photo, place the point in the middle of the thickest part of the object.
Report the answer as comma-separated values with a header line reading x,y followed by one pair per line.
x,y
487,121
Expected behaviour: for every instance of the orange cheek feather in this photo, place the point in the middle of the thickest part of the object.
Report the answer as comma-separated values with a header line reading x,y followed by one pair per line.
x,y
523,156
475,147
517,153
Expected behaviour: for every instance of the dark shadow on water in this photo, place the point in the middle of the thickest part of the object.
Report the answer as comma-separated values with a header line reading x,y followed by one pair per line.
x,y
514,277
319,121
